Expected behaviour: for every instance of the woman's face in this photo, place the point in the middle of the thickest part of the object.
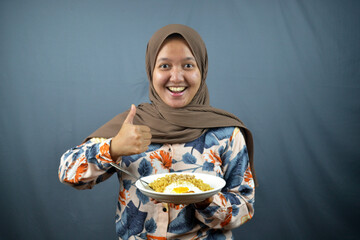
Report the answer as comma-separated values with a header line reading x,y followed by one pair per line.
x,y
176,76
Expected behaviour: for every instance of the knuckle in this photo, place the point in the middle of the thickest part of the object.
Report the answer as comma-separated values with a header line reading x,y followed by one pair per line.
x,y
135,130
138,150
136,135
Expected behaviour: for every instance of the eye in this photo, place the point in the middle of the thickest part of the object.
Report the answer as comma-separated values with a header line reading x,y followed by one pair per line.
x,y
164,66
189,65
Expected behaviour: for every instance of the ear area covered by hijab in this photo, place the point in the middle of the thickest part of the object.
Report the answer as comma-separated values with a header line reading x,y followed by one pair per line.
x,y
178,125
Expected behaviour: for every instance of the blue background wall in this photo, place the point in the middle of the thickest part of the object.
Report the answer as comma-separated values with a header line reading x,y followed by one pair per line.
x,y
289,69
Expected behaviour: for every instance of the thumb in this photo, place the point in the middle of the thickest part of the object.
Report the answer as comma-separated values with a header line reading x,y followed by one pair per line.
x,y
130,117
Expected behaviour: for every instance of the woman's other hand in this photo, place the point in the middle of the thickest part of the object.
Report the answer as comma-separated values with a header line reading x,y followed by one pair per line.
x,y
204,204
131,139
199,205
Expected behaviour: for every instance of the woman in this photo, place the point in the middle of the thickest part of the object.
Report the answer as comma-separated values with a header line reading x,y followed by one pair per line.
x,y
177,132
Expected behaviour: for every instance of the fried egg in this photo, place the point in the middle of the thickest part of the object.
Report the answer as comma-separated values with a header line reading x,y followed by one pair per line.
x,y
182,187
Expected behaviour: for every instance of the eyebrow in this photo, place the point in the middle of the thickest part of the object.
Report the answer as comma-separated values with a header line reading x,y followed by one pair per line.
x,y
185,59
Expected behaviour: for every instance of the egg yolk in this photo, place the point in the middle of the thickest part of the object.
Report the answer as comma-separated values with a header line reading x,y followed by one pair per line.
x,y
181,189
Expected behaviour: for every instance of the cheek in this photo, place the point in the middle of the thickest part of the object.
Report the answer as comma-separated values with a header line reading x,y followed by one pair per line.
x,y
195,79
158,80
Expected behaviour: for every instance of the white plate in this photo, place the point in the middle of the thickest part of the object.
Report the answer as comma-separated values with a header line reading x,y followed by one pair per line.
x,y
216,183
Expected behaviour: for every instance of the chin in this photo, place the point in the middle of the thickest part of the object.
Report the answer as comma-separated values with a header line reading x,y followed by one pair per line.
x,y
176,105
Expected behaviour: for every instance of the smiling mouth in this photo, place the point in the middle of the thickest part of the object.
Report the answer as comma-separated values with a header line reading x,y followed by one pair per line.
x,y
176,89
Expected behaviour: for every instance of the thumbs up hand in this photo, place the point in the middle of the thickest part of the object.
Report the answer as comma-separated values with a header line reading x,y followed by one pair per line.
x,y
131,139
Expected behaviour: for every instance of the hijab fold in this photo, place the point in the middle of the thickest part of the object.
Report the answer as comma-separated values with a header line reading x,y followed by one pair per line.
x,y
178,125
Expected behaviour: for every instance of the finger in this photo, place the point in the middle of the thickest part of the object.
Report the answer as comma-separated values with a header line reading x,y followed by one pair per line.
x,y
144,128
204,204
153,200
130,117
147,136
146,143
144,146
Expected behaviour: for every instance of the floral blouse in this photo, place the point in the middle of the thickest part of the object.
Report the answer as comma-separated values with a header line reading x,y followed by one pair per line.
x,y
220,151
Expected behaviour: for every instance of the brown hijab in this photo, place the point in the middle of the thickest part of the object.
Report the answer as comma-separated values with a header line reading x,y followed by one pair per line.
x,y
178,125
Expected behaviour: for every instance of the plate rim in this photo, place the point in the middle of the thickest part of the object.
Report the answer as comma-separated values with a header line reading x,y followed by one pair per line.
x,y
215,190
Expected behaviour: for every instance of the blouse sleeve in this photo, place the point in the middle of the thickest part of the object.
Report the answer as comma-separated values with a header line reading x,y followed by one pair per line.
x,y
87,164
234,205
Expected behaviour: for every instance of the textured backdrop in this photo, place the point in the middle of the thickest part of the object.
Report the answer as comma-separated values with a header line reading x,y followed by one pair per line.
x,y
289,69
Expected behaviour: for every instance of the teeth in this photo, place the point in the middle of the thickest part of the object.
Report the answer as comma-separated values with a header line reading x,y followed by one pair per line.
x,y
176,89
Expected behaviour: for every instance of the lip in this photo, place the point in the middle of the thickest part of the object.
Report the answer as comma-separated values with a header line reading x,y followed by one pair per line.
x,y
176,94
176,86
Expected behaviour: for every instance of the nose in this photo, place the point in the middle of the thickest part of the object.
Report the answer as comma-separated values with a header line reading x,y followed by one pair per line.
x,y
177,74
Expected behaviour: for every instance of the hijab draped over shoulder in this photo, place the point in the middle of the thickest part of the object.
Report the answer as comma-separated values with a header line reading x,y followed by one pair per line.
x,y
178,125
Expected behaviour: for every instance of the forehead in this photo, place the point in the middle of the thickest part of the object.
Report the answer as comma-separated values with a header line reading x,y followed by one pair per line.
x,y
174,45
